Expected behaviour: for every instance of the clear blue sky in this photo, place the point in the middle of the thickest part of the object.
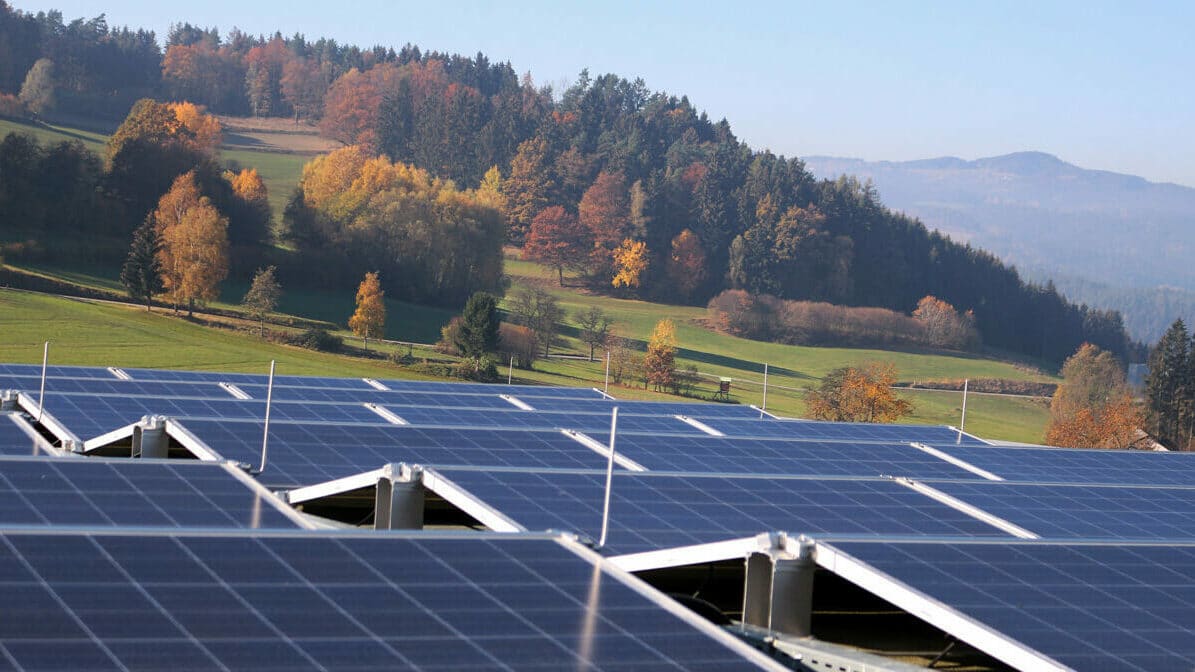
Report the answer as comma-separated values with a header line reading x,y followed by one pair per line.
x,y
1100,84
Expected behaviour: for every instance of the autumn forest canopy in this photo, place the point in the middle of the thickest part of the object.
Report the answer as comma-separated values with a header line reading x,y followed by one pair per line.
x,y
447,158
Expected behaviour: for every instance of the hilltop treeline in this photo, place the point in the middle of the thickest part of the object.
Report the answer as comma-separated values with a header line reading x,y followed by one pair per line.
x,y
637,190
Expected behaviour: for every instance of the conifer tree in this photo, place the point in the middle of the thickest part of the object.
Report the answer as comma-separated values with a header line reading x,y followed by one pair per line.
x,y
478,334
1169,390
142,273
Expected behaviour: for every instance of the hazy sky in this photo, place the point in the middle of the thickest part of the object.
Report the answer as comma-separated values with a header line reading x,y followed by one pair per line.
x,y
1100,84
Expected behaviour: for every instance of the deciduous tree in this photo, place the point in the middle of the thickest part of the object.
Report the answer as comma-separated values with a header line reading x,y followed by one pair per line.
x,y
605,211
262,297
858,394
686,264
141,274
527,188
630,261
370,318
595,328
194,244
37,92
558,240
660,361
1092,407
540,312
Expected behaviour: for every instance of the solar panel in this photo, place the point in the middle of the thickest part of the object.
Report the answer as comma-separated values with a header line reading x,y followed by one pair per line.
x,y
138,493
651,511
379,397
289,602
1083,511
1074,465
843,431
625,407
34,370
16,440
307,454
711,454
1042,605
91,415
597,423
31,385
245,378
490,388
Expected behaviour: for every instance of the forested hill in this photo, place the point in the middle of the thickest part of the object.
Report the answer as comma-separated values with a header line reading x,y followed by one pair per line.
x,y
637,190
1113,240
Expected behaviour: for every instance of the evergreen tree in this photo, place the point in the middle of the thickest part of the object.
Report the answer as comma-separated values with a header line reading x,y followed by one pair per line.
x,y
142,273
478,334
1168,389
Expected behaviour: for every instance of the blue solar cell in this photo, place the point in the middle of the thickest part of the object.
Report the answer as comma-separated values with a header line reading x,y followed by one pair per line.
x,y
1072,465
15,440
843,431
1083,511
651,511
337,603
491,388
138,493
1085,606
403,398
307,454
711,454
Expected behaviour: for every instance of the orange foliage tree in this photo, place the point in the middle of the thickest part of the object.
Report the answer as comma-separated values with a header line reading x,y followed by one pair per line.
x,y
194,244
556,239
605,210
858,394
1092,408
370,317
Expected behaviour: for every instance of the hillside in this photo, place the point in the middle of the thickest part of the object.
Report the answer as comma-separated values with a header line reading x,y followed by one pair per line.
x,y
1055,221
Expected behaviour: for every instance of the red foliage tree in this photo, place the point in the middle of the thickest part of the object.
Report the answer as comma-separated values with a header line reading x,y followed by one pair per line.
x,y
557,239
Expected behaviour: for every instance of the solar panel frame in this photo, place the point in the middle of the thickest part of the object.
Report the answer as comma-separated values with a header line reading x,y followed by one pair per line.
x,y
135,493
630,407
654,510
376,601
1039,605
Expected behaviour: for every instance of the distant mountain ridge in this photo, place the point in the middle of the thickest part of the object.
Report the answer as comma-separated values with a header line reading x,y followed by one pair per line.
x,y
1085,228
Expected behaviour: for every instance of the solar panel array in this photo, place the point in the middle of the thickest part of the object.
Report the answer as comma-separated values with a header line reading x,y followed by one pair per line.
x,y
84,601
15,438
922,507
653,511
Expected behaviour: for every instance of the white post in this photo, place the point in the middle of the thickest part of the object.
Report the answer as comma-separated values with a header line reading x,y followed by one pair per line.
x,y
41,396
607,388
963,421
763,406
609,480
265,435
511,371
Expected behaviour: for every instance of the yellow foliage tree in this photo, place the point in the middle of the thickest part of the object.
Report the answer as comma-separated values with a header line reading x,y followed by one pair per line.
x,y
194,244
660,361
204,128
370,318
862,394
248,185
1092,407
630,261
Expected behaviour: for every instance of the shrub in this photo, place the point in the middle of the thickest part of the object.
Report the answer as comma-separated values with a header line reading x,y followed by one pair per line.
x,y
320,339
518,342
